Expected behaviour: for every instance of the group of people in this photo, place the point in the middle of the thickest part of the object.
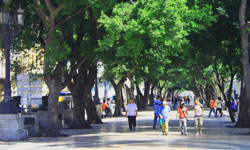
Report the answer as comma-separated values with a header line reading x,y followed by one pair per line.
x,y
187,99
219,107
107,108
161,111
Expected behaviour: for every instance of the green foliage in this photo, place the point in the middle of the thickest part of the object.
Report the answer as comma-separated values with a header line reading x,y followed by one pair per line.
x,y
148,34
57,52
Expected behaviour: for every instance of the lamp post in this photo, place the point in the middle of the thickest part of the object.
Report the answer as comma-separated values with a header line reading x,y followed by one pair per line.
x,y
12,123
7,21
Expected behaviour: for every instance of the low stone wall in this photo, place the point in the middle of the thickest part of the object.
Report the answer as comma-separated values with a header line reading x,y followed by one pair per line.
x,y
65,116
12,127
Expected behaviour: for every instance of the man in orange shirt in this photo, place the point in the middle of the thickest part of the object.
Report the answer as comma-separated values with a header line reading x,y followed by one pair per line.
x,y
212,108
183,115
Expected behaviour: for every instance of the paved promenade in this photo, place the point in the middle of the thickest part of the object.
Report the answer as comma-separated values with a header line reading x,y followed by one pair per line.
x,y
115,135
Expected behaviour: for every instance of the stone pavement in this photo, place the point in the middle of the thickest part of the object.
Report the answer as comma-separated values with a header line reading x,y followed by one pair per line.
x,y
115,135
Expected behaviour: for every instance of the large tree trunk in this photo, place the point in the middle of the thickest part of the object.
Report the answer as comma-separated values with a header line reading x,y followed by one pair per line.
x,y
138,97
52,129
118,100
203,95
92,113
132,87
244,50
151,97
143,99
221,84
93,116
229,96
127,95
209,92
78,90
118,91
146,94
80,87
53,75
243,119
79,121
228,101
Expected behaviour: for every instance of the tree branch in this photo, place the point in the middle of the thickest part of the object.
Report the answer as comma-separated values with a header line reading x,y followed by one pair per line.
x,y
113,83
53,10
49,5
74,69
44,17
124,77
71,16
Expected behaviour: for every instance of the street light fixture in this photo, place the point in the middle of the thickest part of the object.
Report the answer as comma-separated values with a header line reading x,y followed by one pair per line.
x,y
7,21
12,123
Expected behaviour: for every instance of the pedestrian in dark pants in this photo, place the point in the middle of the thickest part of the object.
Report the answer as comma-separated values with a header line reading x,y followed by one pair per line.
x,y
131,113
219,106
157,105
109,108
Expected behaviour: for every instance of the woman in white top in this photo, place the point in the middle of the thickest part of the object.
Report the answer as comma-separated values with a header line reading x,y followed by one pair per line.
x,y
219,106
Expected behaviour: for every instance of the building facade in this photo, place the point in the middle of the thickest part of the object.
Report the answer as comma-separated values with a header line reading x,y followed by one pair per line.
x,y
26,62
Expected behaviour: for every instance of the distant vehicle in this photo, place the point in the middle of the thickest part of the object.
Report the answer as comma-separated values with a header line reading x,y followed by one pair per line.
x,y
65,100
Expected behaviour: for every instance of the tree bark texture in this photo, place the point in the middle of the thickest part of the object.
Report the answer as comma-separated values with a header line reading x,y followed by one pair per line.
x,y
243,119
228,101
244,50
151,97
209,92
118,91
93,116
52,129
143,98
221,84
127,95
81,82
118,100
54,83
89,77
139,97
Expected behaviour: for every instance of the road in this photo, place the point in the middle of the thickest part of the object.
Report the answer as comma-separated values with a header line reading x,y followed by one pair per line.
x,y
115,135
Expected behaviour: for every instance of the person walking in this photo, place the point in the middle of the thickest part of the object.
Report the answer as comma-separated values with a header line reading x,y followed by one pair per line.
x,y
103,109
157,105
161,107
233,106
109,106
164,116
183,115
219,106
131,113
198,114
175,101
212,108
